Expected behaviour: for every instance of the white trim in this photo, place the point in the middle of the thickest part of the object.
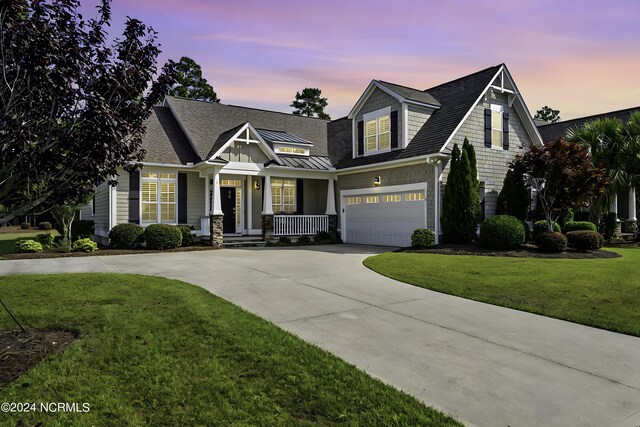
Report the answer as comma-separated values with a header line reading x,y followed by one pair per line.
x,y
374,116
217,202
170,165
376,84
265,147
249,196
254,232
207,197
437,168
405,125
390,164
287,172
331,198
267,201
241,168
299,144
113,204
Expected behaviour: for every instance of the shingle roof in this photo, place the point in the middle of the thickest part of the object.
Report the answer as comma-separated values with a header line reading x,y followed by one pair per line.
x,y
271,136
164,141
552,131
304,162
411,94
205,123
456,98
223,138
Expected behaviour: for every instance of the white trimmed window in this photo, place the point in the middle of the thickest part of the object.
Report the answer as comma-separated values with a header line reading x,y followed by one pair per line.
x,y
377,130
291,150
158,197
372,199
230,183
283,195
354,200
413,197
392,198
496,126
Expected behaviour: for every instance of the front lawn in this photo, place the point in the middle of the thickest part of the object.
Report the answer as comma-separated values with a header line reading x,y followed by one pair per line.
x,y
153,351
8,240
604,293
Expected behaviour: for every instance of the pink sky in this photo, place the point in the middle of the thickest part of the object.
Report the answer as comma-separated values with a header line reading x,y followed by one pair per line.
x,y
580,56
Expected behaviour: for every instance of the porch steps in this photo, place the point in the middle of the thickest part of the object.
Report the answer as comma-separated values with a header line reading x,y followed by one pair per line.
x,y
243,241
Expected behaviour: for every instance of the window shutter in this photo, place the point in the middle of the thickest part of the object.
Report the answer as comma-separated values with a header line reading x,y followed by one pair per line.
x,y
394,129
134,197
182,198
487,127
299,197
360,138
505,131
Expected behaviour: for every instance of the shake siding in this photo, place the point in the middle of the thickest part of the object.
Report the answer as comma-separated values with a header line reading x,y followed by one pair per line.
x,y
377,100
416,117
492,163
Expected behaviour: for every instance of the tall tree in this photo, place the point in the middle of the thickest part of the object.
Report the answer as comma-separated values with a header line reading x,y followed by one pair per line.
x,y
474,202
514,197
458,218
72,106
563,175
547,114
190,83
310,103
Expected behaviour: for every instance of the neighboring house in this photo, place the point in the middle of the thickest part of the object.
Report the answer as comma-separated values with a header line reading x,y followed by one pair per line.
x,y
373,176
626,201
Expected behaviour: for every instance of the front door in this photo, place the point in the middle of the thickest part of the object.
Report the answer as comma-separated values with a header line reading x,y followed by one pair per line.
x,y
228,197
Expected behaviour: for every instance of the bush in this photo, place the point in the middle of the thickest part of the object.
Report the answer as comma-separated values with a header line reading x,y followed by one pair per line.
x,y
162,236
284,241
527,231
541,227
45,239
126,236
25,225
610,221
304,240
82,228
502,232
423,238
84,245
579,225
322,237
45,225
551,242
26,246
585,240
566,215
187,237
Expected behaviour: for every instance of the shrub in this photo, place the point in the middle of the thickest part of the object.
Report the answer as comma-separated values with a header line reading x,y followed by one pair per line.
x,y
579,225
45,239
610,224
566,215
84,245
551,242
459,207
502,232
527,231
423,238
514,198
541,227
45,225
162,236
322,237
25,225
25,246
126,236
187,237
585,240
82,228
284,241
304,240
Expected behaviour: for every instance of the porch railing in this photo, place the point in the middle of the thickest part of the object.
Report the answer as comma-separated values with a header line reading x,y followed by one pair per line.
x,y
299,225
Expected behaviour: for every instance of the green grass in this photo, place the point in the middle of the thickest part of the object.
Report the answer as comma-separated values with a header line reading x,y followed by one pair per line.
x,y
8,240
154,351
604,293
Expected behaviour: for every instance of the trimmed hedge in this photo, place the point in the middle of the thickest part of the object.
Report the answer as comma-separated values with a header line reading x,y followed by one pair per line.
x,y
551,242
84,245
26,246
45,225
585,240
502,232
541,227
579,225
187,237
126,236
25,225
45,239
423,238
162,236
82,228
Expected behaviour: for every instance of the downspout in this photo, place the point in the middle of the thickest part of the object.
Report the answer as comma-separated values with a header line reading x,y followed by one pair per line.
x,y
437,166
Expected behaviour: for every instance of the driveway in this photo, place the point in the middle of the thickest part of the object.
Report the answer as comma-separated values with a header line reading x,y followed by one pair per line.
x,y
486,365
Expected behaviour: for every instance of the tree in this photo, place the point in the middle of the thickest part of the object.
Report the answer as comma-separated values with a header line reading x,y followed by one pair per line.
x,y
190,83
474,203
310,103
514,197
563,175
458,217
72,106
547,114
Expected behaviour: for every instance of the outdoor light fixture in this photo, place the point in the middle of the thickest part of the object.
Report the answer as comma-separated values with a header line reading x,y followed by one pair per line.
x,y
376,180
256,185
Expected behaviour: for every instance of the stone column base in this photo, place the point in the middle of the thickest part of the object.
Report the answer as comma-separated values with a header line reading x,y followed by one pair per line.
x,y
267,227
333,224
215,230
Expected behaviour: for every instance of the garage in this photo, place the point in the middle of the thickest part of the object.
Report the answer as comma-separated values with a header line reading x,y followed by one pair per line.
x,y
385,219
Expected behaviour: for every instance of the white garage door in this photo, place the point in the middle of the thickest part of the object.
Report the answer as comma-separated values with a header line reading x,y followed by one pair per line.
x,y
385,219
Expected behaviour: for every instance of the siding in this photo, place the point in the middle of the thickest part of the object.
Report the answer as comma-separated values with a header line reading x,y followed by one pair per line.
x,y
377,100
195,198
122,216
101,216
315,197
416,117
246,153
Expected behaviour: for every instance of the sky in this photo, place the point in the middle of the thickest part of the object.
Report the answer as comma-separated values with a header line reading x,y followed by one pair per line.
x,y
581,57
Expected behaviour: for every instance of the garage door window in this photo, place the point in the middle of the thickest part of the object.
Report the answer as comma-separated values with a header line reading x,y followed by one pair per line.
x,y
413,197
372,199
392,198
354,200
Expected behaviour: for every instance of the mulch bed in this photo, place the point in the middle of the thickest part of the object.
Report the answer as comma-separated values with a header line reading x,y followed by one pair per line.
x,y
56,253
19,351
526,251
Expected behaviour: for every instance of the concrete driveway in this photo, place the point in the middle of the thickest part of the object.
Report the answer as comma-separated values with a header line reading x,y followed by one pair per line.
x,y
486,365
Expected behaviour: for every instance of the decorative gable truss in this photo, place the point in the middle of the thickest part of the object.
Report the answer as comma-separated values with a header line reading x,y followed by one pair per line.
x,y
246,145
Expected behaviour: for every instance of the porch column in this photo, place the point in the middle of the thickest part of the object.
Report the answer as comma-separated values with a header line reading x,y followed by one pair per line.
x,y
207,197
436,200
249,195
632,204
267,210
614,208
331,199
215,223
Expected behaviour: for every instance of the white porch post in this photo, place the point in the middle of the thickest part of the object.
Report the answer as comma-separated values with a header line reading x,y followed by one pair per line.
x,y
632,204
266,191
217,203
249,195
207,196
436,200
614,208
331,198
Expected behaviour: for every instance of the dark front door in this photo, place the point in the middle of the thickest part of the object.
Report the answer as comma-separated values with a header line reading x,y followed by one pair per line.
x,y
228,196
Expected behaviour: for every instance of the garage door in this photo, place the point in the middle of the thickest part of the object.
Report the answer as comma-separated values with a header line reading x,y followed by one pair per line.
x,y
386,219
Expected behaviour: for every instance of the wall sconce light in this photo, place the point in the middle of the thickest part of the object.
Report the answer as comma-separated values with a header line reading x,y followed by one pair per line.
x,y
256,185
376,180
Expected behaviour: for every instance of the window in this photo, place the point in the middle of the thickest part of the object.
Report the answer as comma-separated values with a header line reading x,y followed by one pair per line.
x,y
283,195
230,183
291,150
354,200
496,127
413,197
377,130
391,198
372,199
158,197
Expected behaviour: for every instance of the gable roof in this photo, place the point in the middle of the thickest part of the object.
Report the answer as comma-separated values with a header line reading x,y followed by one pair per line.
x,y
552,131
164,140
207,123
410,94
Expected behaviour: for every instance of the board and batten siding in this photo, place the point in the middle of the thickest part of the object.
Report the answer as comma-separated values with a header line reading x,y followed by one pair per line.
x,y
492,163
377,100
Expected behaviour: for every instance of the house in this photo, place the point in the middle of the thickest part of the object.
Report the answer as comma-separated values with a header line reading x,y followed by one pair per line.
x,y
373,176
627,200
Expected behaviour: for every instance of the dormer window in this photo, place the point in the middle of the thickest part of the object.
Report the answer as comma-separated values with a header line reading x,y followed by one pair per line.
x,y
291,149
377,131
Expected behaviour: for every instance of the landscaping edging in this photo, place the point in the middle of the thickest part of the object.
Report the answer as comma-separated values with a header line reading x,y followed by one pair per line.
x,y
103,252
527,251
